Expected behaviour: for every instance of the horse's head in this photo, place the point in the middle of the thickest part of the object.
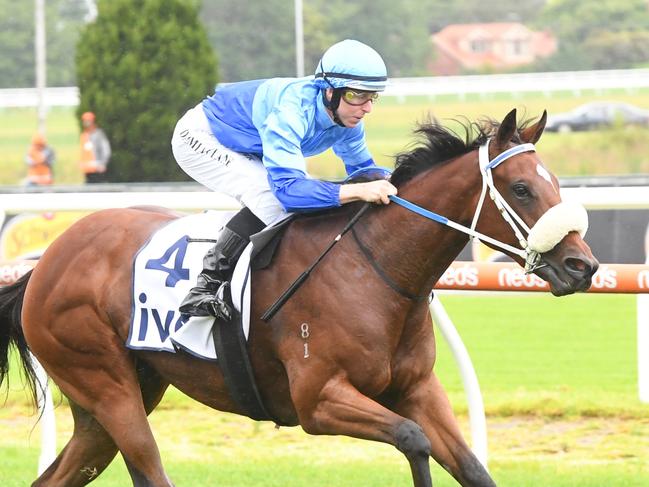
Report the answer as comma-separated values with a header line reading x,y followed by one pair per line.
x,y
550,230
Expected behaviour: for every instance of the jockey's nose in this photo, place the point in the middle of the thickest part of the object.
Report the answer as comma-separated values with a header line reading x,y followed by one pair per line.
x,y
367,106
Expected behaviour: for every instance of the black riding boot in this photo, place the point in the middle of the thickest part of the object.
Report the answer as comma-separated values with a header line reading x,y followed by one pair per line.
x,y
209,296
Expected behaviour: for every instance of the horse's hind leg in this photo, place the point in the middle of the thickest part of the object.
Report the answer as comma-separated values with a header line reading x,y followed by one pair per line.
x,y
110,414
86,455
91,449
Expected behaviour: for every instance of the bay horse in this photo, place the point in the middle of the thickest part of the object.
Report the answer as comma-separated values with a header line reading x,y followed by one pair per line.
x,y
369,373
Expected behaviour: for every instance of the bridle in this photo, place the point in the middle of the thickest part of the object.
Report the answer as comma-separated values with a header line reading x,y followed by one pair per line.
x,y
544,235
536,242
531,256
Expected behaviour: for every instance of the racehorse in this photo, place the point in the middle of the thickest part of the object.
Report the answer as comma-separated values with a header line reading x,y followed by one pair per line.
x,y
369,373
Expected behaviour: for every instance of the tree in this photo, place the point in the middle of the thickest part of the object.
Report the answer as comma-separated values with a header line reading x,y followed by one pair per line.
x,y
63,20
255,39
140,66
440,13
16,45
397,30
597,34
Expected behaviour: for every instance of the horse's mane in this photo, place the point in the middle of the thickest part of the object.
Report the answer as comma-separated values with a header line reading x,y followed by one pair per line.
x,y
436,144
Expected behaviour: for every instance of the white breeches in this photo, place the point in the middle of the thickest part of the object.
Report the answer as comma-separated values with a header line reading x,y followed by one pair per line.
x,y
242,176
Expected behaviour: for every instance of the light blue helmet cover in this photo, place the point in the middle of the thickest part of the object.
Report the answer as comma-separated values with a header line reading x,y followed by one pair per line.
x,y
352,64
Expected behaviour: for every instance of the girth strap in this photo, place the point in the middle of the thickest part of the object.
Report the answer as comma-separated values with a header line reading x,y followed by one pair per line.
x,y
232,357
387,279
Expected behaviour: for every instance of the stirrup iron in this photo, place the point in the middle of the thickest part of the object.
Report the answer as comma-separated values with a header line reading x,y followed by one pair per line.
x,y
219,305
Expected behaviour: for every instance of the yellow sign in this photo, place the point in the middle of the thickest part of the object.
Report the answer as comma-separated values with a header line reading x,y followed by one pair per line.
x,y
481,253
26,236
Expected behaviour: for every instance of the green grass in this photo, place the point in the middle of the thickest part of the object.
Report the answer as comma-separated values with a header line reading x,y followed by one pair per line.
x,y
537,354
615,151
559,382
17,125
389,131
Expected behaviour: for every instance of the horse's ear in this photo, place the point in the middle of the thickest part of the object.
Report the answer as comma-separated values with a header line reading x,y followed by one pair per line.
x,y
533,133
506,130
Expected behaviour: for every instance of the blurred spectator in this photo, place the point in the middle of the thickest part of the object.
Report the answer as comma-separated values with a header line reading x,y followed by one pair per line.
x,y
40,160
95,150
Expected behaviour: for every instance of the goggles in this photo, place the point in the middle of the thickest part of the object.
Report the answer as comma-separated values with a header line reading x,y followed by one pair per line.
x,y
356,97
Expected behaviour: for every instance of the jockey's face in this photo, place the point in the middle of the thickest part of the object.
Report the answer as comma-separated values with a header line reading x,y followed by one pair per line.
x,y
351,114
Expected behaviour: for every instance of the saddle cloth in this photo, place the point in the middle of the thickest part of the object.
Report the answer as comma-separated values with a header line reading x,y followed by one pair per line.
x,y
164,270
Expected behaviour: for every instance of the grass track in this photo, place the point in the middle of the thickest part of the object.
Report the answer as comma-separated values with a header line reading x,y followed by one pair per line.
x,y
558,378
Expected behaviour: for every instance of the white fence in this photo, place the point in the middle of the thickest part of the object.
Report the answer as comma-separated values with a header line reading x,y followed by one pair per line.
x,y
516,83
628,197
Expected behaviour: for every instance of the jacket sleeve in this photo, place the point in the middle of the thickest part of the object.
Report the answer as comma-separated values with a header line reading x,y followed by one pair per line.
x,y
281,134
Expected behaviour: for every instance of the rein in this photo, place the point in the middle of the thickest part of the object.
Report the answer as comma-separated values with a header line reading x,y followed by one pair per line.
x,y
275,307
367,253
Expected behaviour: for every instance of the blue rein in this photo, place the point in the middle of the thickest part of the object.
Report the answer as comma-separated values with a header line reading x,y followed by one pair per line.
x,y
419,210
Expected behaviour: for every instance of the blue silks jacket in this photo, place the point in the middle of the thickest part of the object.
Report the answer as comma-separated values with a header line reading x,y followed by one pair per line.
x,y
284,120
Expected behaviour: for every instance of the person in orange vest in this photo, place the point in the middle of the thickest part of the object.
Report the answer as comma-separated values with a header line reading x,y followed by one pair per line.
x,y
95,150
40,158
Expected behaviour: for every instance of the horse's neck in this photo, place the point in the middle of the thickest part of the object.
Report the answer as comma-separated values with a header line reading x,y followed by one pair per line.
x,y
417,250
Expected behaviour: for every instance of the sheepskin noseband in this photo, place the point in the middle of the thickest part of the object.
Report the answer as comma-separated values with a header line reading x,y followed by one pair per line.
x,y
555,224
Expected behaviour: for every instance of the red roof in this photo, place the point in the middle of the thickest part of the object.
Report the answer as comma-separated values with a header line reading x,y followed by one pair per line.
x,y
504,44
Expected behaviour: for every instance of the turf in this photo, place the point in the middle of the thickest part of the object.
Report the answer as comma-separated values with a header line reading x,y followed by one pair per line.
x,y
558,377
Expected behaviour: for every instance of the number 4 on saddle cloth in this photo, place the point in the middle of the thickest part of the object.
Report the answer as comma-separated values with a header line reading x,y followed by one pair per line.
x,y
165,269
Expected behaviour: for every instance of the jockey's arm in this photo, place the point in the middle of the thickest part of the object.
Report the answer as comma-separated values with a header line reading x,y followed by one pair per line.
x,y
297,192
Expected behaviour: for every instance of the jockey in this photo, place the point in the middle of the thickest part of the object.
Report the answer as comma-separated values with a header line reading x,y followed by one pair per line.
x,y
250,139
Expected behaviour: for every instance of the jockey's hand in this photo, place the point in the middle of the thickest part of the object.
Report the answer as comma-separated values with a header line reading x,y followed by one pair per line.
x,y
374,191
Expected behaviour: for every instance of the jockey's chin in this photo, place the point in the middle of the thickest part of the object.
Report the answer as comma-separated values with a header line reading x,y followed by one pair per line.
x,y
350,121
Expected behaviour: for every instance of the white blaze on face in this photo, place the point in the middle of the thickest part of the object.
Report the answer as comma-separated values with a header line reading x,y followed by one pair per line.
x,y
545,175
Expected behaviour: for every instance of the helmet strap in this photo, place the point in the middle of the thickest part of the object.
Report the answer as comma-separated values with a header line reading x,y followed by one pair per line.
x,y
334,103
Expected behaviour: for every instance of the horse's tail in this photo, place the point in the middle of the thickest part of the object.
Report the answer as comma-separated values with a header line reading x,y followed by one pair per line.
x,y
11,332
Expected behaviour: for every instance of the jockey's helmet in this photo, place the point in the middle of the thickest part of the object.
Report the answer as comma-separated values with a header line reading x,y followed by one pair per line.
x,y
349,65
352,64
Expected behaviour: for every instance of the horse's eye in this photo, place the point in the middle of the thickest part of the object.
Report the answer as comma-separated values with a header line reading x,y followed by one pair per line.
x,y
520,190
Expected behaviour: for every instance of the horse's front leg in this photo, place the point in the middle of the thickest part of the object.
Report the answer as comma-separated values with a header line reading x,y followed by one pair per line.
x,y
338,408
427,404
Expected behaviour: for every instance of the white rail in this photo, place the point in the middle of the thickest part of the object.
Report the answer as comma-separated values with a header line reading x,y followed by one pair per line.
x,y
516,83
628,197
574,81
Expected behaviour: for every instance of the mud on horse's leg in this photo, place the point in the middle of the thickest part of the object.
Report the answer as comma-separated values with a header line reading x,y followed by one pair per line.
x,y
87,454
340,409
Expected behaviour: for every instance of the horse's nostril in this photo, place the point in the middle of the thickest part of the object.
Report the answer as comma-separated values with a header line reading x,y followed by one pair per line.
x,y
578,266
